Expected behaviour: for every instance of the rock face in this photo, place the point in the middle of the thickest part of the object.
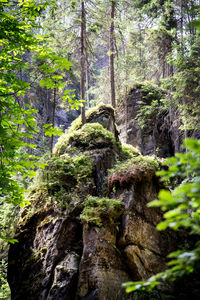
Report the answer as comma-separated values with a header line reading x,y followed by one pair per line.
x,y
154,137
160,134
68,250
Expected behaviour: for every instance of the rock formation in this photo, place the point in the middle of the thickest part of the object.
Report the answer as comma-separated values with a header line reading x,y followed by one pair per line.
x,y
160,133
88,229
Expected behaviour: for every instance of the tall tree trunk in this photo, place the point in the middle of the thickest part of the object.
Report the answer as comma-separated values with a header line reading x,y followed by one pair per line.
x,y
111,54
53,119
87,79
82,83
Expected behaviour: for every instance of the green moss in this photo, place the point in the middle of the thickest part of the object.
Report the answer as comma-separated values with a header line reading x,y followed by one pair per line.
x,y
90,135
136,168
93,111
144,163
148,90
100,210
128,151
47,220
76,125
57,183
65,167
98,110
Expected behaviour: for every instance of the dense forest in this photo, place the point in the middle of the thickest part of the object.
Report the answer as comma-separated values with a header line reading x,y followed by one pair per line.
x,y
99,149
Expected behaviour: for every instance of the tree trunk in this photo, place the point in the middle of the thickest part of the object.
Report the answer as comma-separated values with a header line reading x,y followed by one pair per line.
x,y
87,80
82,83
111,55
53,119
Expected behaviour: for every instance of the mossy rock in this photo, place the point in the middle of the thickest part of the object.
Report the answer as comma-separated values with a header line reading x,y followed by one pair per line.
x,y
135,169
92,114
128,151
148,90
99,211
61,178
90,136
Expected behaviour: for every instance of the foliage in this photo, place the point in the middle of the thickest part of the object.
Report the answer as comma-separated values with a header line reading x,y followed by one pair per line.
x,y
77,167
61,178
132,169
185,82
4,287
8,219
17,122
144,163
181,211
92,131
53,69
149,112
99,210
150,91
152,104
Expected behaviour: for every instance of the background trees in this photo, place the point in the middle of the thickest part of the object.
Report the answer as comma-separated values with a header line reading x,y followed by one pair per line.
x,y
18,122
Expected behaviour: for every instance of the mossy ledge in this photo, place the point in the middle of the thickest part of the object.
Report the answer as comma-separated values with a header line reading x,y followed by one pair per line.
x,y
101,114
89,136
134,169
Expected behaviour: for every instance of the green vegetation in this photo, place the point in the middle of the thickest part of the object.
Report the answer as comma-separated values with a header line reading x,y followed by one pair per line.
x,y
140,162
153,104
99,211
18,124
77,166
8,220
93,111
149,90
155,42
134,168
185,83
36,255
56,184
17,121
148,113
4,287
128,151
181,211
88,135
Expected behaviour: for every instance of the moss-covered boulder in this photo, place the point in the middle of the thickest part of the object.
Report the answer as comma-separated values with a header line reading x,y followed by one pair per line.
x,y
103,115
